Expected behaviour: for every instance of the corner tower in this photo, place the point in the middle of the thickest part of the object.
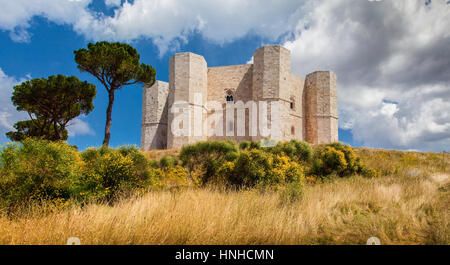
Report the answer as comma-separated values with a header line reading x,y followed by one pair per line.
x,y
320,105
154,116
187,98
271,83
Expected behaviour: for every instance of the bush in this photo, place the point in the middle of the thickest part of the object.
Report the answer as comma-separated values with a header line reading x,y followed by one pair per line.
x,y
109,172
260,168
291,192
338,159
208,157
296,150
37,170
285,170
250,168
329,160
168,161
247,145
173,178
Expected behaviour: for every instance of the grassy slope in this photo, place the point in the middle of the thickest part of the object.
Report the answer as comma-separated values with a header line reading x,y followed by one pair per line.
x,y
409,204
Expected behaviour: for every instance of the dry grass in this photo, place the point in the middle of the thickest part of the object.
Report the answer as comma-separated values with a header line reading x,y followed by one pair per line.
x,y
411,207
158,154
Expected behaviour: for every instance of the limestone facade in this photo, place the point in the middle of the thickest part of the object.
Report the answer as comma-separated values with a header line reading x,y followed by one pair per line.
x,y
207,103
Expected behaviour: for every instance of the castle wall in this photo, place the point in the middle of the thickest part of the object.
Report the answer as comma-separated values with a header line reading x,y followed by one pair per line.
x,y
293,127
154,116
237,80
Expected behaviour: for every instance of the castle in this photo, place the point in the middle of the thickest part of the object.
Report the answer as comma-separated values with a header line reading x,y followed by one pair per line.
x,y
220,103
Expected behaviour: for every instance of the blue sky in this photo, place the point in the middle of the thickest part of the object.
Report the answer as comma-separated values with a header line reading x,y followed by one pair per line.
x,y
393,82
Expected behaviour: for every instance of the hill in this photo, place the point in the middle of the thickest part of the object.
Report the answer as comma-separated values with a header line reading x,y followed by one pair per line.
x,y
408,203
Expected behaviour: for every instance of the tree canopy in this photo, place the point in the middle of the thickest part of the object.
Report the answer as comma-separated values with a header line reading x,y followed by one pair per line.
x,y
115,65
51,104
37,128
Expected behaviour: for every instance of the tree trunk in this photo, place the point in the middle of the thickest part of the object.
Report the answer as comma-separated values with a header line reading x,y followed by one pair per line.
x,y
108,119
58,135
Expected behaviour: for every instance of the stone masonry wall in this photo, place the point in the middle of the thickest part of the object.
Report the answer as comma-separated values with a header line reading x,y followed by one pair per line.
x,y
321,107
154,116
236,80
187,76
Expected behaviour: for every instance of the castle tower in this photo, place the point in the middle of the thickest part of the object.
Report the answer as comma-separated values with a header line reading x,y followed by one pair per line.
x,y
187,99
320,105
271,77
154,116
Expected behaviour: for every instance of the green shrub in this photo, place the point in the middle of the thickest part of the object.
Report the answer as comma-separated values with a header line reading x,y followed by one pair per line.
x,y
329,160
109,172
291,192
244,145
37,170
338,159
247,145
296,150
140,162
208,157
173,178
260,168
168,161
153,163
251,168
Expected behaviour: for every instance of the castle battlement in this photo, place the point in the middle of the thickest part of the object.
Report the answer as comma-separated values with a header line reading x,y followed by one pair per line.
x,y
228,102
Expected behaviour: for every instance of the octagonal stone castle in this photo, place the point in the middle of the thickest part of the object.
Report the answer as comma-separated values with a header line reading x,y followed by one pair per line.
x,y
307,107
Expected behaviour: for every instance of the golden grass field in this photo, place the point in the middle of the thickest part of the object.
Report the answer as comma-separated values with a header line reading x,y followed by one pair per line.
x,y
408,204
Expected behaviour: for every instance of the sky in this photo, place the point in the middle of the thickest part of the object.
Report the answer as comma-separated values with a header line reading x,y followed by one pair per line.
x,y
392,58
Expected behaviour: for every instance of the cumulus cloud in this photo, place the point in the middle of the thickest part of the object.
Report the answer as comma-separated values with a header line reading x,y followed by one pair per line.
x,y
8,113
79,127
391,58
15,16
165,22
112,3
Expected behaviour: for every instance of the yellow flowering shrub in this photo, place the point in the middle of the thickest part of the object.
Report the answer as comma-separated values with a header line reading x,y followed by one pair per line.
x,y
258,168
338,159
208,156
109,172
37,170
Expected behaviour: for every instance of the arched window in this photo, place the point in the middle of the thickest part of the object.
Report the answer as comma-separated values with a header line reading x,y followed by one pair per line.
x,y
292,130
229,97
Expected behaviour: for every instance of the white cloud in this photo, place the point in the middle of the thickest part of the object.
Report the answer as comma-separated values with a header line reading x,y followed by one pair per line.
x,y
391,58
166,22
112,3
15,15
8,113
79,127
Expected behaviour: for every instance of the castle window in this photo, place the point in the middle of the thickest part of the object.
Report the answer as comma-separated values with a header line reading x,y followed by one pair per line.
x,y
292,103
292,130
229,97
